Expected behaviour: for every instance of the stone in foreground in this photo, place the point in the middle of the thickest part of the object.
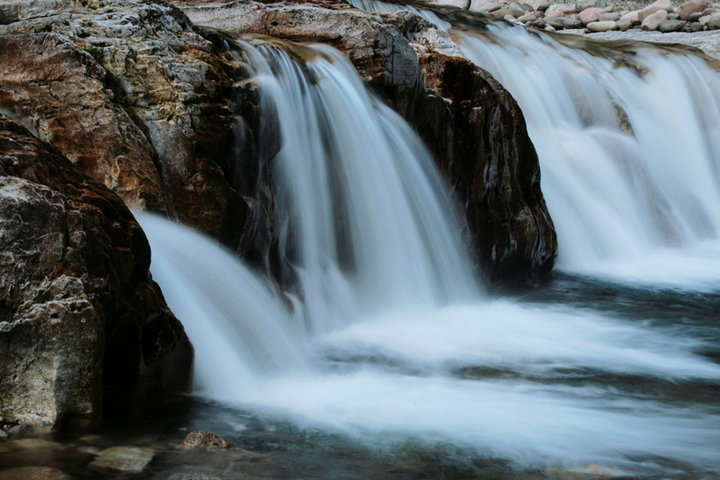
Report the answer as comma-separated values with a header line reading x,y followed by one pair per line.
x,y
123,459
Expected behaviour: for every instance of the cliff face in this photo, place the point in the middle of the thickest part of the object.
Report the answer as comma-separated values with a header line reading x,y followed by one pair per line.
x,y
470,122
132,95
81,322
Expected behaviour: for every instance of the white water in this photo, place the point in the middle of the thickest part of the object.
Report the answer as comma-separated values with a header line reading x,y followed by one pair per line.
x,y
241,332
393,336
642,206
358,195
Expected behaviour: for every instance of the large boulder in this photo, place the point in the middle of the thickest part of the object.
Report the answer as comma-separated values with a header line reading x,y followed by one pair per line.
x,y
657,6
479,137
82,325
693,6
472,125
132,94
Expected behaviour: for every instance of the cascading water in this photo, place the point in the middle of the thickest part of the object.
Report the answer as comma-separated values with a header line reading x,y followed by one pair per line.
x,y
398,353
358,194
630,155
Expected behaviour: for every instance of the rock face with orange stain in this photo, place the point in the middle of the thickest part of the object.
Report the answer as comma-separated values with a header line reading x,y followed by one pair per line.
x,y
82,325
134,96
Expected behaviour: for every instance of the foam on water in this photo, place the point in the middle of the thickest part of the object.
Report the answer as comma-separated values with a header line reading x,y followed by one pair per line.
x,y
629,161
390,340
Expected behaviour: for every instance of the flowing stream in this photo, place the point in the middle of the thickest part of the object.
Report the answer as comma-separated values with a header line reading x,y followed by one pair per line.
x,y
630,156
388,342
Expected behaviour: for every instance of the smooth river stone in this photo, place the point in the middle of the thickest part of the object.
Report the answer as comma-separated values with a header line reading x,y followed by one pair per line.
x,y
652,22
605,26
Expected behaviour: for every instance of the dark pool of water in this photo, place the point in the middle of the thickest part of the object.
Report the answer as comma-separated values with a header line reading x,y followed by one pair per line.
x,y
287,451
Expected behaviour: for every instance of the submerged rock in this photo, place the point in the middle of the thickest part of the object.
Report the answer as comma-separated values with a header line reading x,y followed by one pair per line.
x,y
82,326
34,473
123,459
205,440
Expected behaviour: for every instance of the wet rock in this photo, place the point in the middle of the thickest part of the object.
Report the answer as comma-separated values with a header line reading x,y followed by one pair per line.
x,y
602,26
590,15
550,28
658,5
695,27
34,473
192,476
692,7
205,440
123,459
653,21
82,322
59,90
484,6
672,26
135,97
479,137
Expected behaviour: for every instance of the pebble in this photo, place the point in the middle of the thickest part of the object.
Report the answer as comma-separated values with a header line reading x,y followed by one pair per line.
x,y
671,26
609,17
692,7
590,15
624,24
690,16
653,21
604,26
657,6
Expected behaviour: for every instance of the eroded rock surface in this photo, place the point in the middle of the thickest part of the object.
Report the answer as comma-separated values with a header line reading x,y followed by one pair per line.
x,y
82,325
132,94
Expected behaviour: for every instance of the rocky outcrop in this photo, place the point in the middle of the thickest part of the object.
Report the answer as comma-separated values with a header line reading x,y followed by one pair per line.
x,y
479,135
82,325
472,125
132,94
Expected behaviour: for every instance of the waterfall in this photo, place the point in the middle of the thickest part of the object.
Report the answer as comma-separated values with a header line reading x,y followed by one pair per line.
x,y
389,341
241,332
366,221
629,154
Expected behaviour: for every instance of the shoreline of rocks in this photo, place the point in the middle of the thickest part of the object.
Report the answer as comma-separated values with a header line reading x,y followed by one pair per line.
x,y
594,16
